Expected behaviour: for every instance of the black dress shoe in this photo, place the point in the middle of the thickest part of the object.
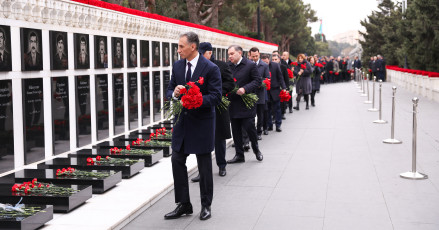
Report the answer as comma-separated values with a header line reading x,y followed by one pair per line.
x,y
236,159
205,213
291,110
313,105
259,156
182,209
270,129
283,117
246,147
265,132
233,145
222,172
259,137
196,179
278,129
296,107
307,107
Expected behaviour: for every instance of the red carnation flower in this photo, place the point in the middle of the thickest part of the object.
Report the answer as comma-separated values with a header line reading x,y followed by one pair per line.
x,y
330,72
344,63
128,147
98,158
267,83
235,79
303,66
370,71
201,80
336,73
290,74
294,63
183,91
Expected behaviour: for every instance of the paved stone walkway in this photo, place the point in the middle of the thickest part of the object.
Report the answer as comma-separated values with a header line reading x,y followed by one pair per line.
x,y
328,169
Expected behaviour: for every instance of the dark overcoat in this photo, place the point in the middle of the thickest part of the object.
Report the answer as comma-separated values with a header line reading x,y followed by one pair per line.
x,y
304,82
195,129
247,77
277,81
222,130
263,73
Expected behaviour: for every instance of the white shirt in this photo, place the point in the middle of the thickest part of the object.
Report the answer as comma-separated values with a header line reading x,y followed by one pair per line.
x,y
239,61
193,64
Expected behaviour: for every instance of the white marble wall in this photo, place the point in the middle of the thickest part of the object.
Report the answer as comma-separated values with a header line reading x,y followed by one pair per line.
x,y
422,85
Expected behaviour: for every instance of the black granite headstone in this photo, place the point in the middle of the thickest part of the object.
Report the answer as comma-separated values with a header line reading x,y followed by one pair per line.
x,y
33,110
156,95
83,110
146,100
118,102
165,50
166,80
102,106
155,53
6,127
174,49
60,114
133,101
144,53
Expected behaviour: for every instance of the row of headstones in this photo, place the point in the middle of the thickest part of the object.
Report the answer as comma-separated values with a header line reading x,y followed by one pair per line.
x,y
62,184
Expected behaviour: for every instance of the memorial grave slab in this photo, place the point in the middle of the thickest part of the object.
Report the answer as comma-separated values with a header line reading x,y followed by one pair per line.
x,y
150,160
128,170
61,203
99,185
167,151
43,214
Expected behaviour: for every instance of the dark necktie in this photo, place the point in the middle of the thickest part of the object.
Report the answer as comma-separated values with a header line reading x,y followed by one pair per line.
x,y
189,72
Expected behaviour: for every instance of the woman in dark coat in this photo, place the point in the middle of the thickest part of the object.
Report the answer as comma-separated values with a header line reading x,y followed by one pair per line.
x,y
315,78
302,72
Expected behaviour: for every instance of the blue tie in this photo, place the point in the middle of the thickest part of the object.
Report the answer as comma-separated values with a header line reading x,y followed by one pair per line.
x,y
189,72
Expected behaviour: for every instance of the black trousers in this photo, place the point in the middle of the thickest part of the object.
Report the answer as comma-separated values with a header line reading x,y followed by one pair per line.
x,y
220,152
262,113
181,182
249,125
313,94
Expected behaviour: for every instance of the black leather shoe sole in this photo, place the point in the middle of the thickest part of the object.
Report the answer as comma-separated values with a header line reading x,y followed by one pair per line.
x,y
222,172
235,160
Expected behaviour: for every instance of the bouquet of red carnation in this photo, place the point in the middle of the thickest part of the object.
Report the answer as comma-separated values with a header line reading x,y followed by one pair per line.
x,y
267,83
303,66
370,71
330,72
284,96
249,99
344,63
318,64
290,73
321,77
324,63
336,73
294,63
191,99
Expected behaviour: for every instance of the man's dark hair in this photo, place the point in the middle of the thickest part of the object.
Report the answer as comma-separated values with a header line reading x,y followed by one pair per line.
x,y
118,41
82,39
192,38
4,33
275,51
236,47
275,55
254,49
59,37
265,56
33,34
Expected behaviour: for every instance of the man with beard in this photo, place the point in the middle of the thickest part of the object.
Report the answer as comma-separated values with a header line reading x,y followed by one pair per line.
x,y
33,58
83,62
5,56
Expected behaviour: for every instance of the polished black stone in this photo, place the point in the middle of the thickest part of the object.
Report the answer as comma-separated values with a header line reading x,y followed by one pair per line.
x,y
60,203
33,113
81,164
166,80
118,103
83,110
156,97
28,223
100,185
6,127
167,151
102,106
133,101
146,100
150,160
60,114
135,136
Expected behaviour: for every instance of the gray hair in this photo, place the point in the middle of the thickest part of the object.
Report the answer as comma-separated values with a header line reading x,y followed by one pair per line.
x,y
236,47
192,38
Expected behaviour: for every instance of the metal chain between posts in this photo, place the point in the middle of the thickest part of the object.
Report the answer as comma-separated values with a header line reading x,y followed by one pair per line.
x,y
392,139
414,175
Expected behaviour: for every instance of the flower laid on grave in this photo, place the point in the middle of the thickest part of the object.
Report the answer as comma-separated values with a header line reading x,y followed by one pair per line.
x,y
18,210
72,172
284,96
151,143
110,161
139,152
266,83
161,133
249,99
38,188
191,98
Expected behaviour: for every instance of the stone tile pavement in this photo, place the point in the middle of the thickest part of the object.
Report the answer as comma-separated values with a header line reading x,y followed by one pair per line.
x,y
328,169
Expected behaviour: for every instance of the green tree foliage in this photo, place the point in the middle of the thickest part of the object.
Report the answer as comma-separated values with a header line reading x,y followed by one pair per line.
x,y
414,36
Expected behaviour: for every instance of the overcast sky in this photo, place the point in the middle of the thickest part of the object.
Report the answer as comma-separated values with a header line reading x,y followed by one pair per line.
x,y
340,15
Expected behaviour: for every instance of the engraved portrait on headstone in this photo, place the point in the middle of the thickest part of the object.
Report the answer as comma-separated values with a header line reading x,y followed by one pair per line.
x,y
174,49
31,47
117,50
101,52
156,54
144,53
58,49
165,48
132,52
5,48
82,51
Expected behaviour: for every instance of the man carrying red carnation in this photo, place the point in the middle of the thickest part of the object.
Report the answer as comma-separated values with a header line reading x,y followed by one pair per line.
x,y
194,132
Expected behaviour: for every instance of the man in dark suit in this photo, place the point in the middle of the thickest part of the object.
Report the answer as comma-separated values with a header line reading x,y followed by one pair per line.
x,y
261,105
330,69
357,64
222,124
286,59
277,83
5,56
194,132
284,70
248,81
33,58
381,68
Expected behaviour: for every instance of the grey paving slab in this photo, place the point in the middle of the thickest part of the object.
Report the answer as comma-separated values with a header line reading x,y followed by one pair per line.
x,y
328,169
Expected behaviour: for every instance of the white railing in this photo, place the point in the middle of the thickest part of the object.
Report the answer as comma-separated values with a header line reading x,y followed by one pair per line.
x,y
419,84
